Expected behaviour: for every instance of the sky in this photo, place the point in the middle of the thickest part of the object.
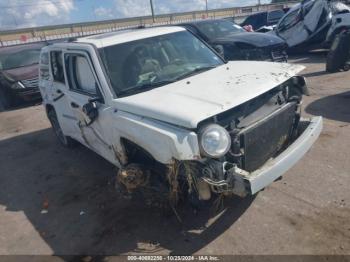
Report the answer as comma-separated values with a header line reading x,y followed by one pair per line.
x,y
31,13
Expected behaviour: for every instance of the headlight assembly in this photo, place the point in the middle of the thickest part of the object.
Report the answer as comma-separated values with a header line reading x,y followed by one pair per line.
x,y
214,141
18,85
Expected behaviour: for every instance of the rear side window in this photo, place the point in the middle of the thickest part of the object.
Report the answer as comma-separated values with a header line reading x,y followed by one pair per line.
x,y
44,58
44,66
275,15
57,66
289,21
257,20
80,75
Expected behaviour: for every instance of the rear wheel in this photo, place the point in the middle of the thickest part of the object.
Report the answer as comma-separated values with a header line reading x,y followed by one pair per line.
x,y
64,140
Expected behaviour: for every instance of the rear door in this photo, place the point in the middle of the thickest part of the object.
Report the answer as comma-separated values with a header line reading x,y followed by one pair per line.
x,y
58,96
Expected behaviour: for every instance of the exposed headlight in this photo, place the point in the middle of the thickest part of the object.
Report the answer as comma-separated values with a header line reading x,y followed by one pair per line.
x,y
214,141
18,85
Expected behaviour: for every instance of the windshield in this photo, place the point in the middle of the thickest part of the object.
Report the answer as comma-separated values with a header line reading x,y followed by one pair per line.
x,y
141,65
19,59
219,28
294,16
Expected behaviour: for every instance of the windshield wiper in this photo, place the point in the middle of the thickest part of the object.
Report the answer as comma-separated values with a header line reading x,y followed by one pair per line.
x,y
194,72
145,87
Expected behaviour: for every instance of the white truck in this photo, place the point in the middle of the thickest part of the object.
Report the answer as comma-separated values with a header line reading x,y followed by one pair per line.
x,y
176,119
313,24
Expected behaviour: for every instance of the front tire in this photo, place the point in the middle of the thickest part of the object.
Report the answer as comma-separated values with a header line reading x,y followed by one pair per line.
x,y
5,100
64,140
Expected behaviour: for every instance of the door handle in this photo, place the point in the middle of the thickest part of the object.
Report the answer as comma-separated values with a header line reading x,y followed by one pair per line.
x,y
60,95
74,105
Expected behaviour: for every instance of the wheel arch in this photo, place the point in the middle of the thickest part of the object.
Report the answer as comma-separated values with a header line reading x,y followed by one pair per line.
x,y
134,152
48,108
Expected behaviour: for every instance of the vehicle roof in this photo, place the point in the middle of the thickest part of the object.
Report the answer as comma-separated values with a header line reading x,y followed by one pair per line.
x,y
204,21
124,36
259,13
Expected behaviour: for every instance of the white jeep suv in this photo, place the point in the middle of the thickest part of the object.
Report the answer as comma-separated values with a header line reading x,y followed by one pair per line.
x,y
176,119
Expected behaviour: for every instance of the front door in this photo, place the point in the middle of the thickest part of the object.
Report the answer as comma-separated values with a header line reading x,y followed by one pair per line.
x,y
83,86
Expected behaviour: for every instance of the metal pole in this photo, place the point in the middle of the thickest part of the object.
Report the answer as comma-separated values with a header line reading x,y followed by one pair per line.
x,y
206,6
152,10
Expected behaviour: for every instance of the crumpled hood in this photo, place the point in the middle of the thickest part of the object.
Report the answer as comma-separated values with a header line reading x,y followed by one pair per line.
x,y
192,100
255,39
22,73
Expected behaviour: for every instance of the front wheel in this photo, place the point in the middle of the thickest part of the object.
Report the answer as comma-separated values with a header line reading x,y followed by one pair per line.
x,y
5,100
64,140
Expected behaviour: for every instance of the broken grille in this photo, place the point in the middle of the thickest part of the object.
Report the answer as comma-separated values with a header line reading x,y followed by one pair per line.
x,y
31,83
266,138
279,55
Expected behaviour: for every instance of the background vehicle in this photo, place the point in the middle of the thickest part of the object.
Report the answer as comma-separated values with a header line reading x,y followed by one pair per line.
x,y
313,24
235,43
178,121
19,74
338,57
263,19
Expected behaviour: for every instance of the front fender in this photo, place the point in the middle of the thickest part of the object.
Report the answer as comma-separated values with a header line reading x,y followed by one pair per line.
x,y
163,141
338,26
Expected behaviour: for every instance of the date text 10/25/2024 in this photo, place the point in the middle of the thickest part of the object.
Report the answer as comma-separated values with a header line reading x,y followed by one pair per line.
x,y
173,258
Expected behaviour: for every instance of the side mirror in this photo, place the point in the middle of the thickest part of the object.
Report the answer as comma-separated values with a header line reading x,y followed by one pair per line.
x,y
90,109
220,50
95,99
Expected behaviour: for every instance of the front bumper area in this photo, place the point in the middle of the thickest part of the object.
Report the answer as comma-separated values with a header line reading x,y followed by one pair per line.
x,y
27,94
276,167
242,183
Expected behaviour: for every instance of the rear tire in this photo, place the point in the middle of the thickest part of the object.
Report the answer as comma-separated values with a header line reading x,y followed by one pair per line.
x,y
338,55
64,140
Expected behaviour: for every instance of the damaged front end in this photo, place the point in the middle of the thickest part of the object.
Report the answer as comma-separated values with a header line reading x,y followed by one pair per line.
x,y
245,51
243,150
267,137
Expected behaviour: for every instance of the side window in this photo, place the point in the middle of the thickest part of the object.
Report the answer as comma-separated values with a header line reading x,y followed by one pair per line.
x,y
289,21
57,66
274,16
80,75
44,58
256,21
44,66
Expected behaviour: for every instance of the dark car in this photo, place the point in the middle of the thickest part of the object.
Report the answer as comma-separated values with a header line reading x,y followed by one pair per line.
x,y
234,43
19,67
264,19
